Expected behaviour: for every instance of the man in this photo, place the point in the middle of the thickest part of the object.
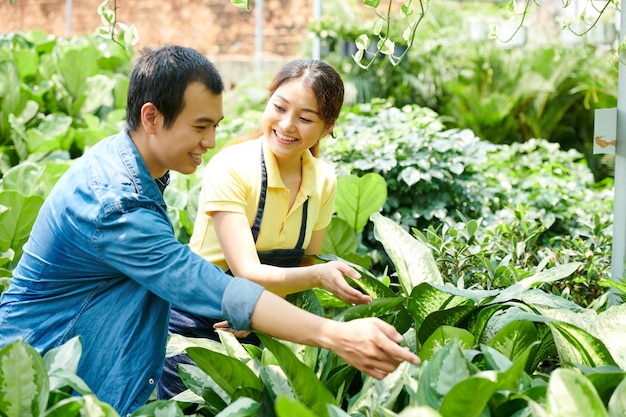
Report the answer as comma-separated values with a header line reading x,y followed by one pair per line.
x,y
102,260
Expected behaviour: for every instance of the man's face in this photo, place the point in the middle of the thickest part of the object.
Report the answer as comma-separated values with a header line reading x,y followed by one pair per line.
x,y
180,148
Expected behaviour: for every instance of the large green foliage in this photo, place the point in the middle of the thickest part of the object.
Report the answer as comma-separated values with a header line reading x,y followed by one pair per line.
x,y
50,104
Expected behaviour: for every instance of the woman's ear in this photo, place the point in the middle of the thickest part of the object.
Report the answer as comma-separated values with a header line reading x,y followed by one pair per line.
x,y
329,128
150,116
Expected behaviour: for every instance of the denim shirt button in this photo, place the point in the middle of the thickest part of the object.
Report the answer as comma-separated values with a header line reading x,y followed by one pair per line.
x,y
151,381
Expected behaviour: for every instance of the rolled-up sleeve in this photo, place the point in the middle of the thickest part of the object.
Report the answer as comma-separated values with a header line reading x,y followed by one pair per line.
x,y
140,243
239,301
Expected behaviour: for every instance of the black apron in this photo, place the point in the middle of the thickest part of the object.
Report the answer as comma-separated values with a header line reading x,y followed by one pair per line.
x,y
190,325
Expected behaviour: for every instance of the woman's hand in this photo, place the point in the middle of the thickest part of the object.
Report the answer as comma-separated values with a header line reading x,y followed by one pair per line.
x,y
223,325
330,275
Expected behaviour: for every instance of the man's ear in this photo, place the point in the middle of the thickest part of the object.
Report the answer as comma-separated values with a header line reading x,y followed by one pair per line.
x,y
150,117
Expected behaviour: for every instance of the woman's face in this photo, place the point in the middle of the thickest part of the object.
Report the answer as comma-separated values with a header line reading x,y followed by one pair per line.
x,y
291,122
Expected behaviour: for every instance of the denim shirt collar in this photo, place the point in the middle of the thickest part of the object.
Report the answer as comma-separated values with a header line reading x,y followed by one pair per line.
x,y
143,181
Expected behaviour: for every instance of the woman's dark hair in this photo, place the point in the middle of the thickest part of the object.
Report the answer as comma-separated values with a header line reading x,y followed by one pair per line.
x,y
323,80
161,76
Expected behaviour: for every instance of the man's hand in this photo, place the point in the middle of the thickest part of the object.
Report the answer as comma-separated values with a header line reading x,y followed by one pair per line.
x,y
370,345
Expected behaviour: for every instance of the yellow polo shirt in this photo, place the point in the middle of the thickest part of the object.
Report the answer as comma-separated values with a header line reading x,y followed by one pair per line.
x,y
232,182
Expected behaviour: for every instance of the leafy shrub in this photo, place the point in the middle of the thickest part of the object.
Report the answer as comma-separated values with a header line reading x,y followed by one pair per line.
x,y
49,103
535,203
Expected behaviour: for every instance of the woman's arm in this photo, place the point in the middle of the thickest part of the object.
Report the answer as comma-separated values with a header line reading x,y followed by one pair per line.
x,y
369,344
233,232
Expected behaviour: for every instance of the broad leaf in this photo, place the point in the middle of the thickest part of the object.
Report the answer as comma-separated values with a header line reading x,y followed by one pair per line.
x,y
439,375
570,394
450,317
413,260
575,345
18,221
514,339
380,393
24,385
515,291
306,386
469,397
228,373
358,197
62,364
443,336
609,327
617,404
159,408
241,407
287,407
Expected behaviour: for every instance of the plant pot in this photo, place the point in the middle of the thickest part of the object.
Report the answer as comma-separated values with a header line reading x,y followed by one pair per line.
x,y
346,48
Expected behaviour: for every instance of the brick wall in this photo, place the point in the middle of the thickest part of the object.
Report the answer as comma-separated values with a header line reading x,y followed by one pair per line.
x,y
215,27
223,32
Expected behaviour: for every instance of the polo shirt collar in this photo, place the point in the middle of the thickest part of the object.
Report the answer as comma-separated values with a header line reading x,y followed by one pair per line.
x,y
274,180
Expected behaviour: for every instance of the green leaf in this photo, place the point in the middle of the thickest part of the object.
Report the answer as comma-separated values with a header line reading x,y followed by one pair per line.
x,y
469,397
451,316
287,407
177,344
380,393
241,407
228,373
515,291
372,3
74,77
570,394
359,197
18,221
242,4
67,407
378,307
609,327
514,338
306,386
159,408
340,238
413,260
426,299
446,368
368,282
24,385
443,336
617,403
575,345
201,387
62,365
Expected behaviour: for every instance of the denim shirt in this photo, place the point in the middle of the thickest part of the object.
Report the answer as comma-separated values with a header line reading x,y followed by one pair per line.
x,y
102,262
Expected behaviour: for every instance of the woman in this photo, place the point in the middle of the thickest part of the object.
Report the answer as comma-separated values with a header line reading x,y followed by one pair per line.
x,y
266,203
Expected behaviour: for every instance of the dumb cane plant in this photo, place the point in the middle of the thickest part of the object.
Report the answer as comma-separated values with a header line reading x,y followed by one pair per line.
x,y
502,352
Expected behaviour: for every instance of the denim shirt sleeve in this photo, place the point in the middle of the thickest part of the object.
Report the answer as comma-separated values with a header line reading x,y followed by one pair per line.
x,y
139,241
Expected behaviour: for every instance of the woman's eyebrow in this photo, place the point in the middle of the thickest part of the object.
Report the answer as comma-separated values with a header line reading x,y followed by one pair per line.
x,y
314,111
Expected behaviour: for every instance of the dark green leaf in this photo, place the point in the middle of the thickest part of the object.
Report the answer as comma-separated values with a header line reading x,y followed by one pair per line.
x,y
306,386
228,373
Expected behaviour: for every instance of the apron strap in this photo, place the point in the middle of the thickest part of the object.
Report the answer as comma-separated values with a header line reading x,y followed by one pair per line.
x,y
256,227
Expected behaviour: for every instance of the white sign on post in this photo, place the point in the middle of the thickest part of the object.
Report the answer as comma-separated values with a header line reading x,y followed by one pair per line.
x,y
605,131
